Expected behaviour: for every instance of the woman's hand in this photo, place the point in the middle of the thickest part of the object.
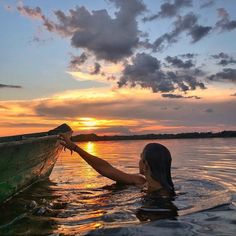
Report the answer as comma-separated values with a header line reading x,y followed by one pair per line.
x,y
67,143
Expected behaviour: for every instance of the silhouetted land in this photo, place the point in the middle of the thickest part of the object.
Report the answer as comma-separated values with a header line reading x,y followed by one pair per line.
x,y
94,137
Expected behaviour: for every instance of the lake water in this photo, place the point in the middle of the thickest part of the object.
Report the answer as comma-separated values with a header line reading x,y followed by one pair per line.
x,y
78,201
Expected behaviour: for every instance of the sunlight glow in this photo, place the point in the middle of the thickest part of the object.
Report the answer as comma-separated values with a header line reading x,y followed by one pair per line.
x,y
90,147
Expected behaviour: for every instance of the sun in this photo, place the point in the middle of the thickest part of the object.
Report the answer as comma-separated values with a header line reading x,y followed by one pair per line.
x,y
85,123
90,122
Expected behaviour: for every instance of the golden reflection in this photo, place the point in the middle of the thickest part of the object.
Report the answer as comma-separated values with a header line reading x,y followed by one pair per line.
x,y
90,147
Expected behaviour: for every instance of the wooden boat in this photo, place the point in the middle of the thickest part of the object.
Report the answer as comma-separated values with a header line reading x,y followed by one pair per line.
x,y
26,159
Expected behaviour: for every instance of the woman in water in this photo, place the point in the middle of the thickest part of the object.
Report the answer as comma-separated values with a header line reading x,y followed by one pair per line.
x,y
154,167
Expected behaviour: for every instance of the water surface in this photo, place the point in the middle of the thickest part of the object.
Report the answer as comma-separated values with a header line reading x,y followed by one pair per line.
x,y
77,200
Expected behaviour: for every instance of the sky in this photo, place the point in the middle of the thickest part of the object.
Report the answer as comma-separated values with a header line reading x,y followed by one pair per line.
x,y
118,67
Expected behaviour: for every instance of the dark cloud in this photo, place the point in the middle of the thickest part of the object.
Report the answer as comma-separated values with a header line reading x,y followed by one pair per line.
x,y
145,71
209,110
76,61
196,97
97,68
188,24
188,55
207,3
225,62
35,13
197,32
234,95
227,74
171,95
224,24
108,38
9,86
176,62
220,55
225,59
169,9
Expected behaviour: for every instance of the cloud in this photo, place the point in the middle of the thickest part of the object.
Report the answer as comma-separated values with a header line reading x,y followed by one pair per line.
x,y
76,107
196,97
37,14
220,55
3,107
114,130
169,9
208,3
188,55
225,62
145,112
115,38
145,71
76,61
197,32
208,110
176,62
227,74
224,24
111,39
97,68
137,110
171,95
33,13
234,95
25,124
188,24
9,86
225,59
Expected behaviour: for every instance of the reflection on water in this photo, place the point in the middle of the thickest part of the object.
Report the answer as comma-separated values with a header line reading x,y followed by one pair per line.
x,y
77,200
91,148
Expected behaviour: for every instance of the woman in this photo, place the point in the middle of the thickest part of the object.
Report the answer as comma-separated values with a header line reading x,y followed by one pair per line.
x,y
154,167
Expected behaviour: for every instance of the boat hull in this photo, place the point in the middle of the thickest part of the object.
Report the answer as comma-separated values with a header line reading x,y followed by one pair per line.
x,y
25,162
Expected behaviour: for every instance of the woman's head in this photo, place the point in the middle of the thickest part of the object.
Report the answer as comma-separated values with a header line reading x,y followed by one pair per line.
x,y
157,160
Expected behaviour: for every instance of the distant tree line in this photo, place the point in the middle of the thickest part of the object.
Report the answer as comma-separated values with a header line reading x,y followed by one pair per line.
x,y
94,137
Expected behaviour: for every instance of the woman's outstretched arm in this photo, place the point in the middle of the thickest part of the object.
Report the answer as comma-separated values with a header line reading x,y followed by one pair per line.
x,y
101,166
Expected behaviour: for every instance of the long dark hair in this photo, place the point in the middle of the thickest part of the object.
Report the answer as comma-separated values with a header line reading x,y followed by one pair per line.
x,y
159,160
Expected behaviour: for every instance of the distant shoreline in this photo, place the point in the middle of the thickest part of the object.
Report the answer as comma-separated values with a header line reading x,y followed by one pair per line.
x,y
94,137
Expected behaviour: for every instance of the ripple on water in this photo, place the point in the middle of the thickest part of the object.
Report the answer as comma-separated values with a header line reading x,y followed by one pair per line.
x,y
77,200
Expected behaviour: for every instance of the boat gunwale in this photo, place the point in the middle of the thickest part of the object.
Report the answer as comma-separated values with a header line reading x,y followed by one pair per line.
x,y
30,140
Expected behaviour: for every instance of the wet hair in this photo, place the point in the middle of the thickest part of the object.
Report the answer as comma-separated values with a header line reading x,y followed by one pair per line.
x,y
159,160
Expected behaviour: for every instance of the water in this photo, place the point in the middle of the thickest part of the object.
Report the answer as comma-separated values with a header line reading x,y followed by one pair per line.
x,y
78,201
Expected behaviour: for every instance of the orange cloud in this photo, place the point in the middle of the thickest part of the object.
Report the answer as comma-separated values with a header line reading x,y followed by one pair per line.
x,y
114,111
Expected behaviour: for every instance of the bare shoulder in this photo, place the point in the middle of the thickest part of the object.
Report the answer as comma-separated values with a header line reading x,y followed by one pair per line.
x,y
139,179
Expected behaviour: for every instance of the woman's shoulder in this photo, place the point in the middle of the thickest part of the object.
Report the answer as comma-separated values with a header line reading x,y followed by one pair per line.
x,y
139,180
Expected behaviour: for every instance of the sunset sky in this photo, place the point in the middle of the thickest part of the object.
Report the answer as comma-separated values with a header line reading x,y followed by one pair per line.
x,y
118,66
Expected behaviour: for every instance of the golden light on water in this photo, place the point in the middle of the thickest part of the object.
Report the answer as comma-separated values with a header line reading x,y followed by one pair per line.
x,y
90,147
